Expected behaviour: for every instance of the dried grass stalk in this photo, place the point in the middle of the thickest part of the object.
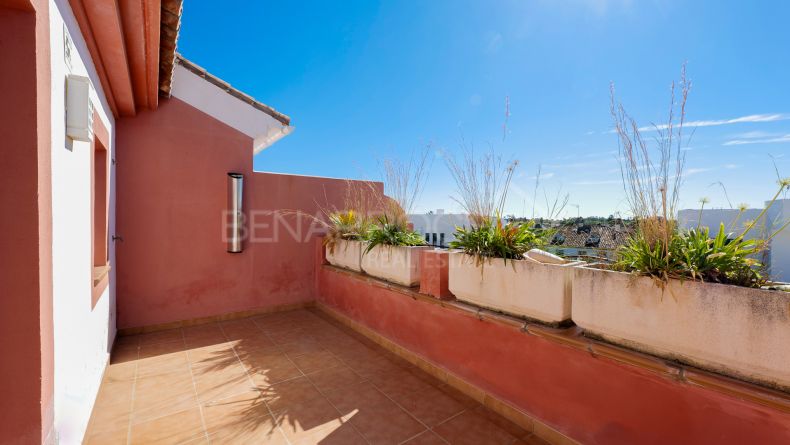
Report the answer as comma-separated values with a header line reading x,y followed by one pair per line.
x,y
481,183
652,177
404,182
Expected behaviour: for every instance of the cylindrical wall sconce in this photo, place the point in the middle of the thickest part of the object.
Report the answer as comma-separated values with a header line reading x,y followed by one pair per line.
x,y
236,221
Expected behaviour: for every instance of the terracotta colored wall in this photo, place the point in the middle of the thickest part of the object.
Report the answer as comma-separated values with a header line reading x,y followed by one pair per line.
x,y
592,400
171,194
26,373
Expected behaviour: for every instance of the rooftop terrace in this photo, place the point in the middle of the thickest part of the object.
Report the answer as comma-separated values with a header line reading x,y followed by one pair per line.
x,y
284,378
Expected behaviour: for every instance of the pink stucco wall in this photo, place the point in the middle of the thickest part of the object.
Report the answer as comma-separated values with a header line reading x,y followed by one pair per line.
x,y
26,339
591,399
172,264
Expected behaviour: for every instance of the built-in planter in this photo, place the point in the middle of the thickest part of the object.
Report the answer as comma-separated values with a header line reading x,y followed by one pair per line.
x,y
520,287
398,264
734,330
346,254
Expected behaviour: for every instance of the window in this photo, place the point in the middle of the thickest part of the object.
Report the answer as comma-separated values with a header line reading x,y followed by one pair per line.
x,y
100,207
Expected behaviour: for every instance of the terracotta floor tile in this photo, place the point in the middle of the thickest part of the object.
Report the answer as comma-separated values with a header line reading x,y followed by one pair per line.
x,y
334,378
162,394
265,377
351,350
174,428
148,350
234,437
398,383
241,331
161,336
264,359
316,361
214,355
244,370
426,438
113,407
121,371
345,434
116,437
430,406
218,382
126,340
286,336
158,358
301,347
258,342
355,398
202,330
205,340
270,324
124,354
203,335
243,418
370,367
471,428
314,419
243,324
385,424
290,394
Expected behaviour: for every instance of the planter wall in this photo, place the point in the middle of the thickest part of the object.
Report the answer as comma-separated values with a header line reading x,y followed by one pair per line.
x,y
346,254
588,397
398,264
523,287
729,329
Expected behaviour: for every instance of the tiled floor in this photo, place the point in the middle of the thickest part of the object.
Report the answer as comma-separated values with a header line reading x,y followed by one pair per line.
x,y
285,378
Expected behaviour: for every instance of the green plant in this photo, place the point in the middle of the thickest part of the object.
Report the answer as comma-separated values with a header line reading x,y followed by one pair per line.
x,y
695,255
389,232
726,258
493,239
345,225
720,259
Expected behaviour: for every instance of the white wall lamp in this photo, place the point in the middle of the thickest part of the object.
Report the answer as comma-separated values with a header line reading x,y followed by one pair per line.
x,y
79,109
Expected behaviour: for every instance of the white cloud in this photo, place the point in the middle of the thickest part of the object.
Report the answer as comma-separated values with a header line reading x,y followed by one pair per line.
x,y
543,176
694,171
752,118
755,135
771,140
602,182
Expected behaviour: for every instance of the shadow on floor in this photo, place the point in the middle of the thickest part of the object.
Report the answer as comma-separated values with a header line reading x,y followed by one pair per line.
x,y
284,378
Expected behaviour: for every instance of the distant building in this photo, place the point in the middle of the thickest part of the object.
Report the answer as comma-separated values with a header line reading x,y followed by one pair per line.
x,y
589,240
777,255
439,227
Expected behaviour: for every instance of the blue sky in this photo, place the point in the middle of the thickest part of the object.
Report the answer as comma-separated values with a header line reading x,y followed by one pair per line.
x,y
365,80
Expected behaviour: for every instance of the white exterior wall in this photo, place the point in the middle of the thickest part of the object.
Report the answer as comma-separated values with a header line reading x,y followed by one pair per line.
x,y
217,103
779,256
83,336
712,218
439,223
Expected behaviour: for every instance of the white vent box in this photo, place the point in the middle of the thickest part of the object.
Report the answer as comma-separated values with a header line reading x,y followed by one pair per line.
x,y
79,110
